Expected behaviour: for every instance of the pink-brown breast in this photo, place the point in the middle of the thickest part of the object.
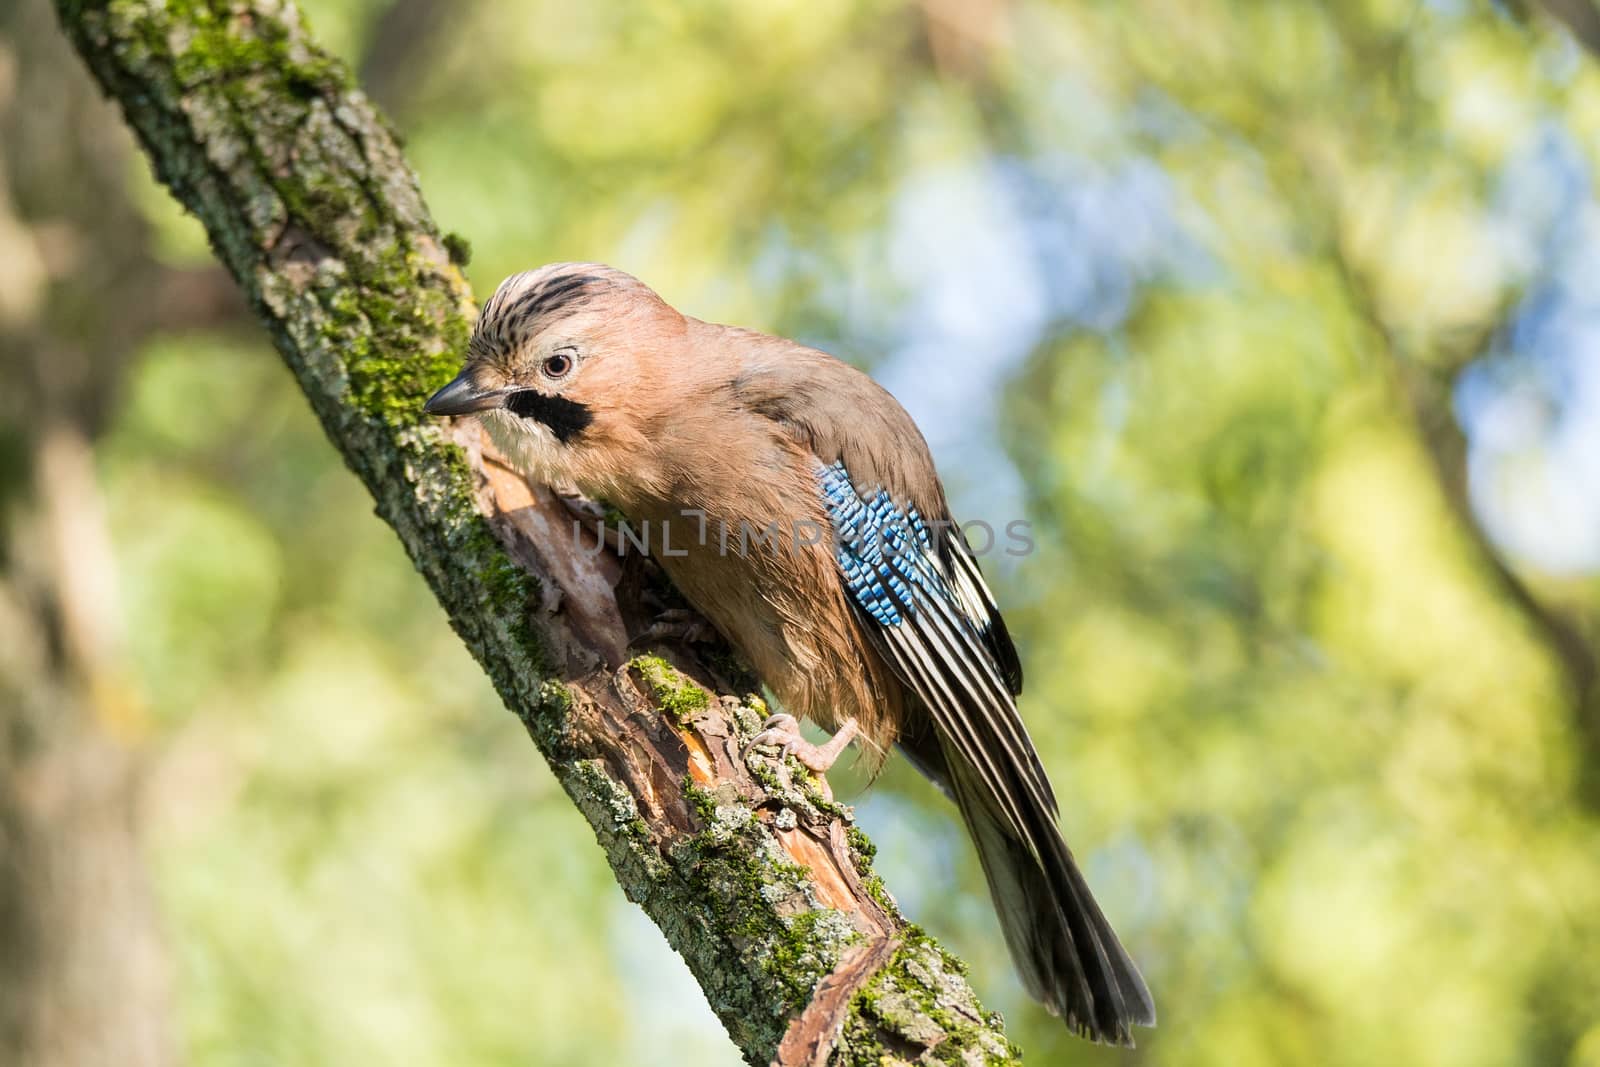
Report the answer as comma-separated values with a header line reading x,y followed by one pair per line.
x,y
777,599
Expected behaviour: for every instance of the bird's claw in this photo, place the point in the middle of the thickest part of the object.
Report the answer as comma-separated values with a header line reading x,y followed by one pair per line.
x,y
591,515
677,624
782,732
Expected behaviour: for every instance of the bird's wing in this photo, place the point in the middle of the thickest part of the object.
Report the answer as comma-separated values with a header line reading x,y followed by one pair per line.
x,y
979,606
927,609
841,415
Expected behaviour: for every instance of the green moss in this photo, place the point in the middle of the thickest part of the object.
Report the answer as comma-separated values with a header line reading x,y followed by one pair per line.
x,y
507,587
388,332
878,890
760,897
459,249
555,698
675,695
861,847
806,948
862,852
918,999
397,333
219,46
766,775
701,801
511,595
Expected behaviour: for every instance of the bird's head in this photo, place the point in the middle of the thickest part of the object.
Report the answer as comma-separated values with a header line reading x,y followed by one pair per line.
x,y
560,368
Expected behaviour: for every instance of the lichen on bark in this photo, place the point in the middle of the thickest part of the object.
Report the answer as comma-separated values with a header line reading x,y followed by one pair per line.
x,y
753,874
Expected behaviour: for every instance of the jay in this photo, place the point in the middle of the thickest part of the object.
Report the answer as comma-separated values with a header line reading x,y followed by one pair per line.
x,y
882,623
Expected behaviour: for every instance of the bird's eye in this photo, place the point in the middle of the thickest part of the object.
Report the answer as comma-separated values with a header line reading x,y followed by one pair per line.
x,y
557,364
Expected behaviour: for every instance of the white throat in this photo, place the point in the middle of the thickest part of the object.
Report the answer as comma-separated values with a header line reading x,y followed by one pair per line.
x,y
526,444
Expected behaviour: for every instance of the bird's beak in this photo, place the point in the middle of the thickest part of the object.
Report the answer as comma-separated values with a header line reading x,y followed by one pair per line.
x,y
463,397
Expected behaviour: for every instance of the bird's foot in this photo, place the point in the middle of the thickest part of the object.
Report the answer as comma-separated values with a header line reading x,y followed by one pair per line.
x,y
783,733
591,515
683,625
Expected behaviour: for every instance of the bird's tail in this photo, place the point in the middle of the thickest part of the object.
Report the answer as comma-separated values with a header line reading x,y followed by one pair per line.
x,y
1065,951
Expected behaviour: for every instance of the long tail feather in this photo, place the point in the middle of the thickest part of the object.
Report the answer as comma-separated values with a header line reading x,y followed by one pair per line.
x,y
1064,949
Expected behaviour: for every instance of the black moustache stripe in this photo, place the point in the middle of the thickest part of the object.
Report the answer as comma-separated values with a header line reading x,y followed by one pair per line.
x,y
566,418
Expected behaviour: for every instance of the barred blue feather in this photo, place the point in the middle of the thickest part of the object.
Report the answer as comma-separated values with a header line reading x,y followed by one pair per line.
x,y
871,536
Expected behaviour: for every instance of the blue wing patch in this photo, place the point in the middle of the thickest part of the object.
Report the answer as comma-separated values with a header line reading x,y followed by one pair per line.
x,y
938,629
882,550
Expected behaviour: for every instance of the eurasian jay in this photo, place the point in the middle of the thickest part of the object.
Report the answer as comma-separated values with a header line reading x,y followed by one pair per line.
x,y
882,622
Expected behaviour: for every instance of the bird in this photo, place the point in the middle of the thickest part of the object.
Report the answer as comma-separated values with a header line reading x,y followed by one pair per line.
x,y
736,446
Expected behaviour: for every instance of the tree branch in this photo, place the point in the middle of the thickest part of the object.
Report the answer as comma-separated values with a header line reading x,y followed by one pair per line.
x,y
755,878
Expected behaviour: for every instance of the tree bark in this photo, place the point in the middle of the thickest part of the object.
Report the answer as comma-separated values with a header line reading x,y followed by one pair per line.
x,y
755,876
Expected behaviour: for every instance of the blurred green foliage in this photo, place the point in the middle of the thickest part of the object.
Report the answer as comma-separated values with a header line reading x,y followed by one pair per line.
x,y
1167,279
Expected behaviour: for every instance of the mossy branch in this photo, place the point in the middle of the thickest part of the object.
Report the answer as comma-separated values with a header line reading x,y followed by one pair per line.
x,y
757,879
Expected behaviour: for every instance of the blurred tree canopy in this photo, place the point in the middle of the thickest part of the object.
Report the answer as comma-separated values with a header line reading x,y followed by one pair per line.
x,y
1279,323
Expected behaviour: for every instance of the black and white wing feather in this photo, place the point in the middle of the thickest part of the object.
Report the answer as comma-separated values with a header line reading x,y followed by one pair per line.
x,y
936,620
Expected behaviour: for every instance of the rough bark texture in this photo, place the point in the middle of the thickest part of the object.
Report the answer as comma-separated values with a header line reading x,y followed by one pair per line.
x,y
756,878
